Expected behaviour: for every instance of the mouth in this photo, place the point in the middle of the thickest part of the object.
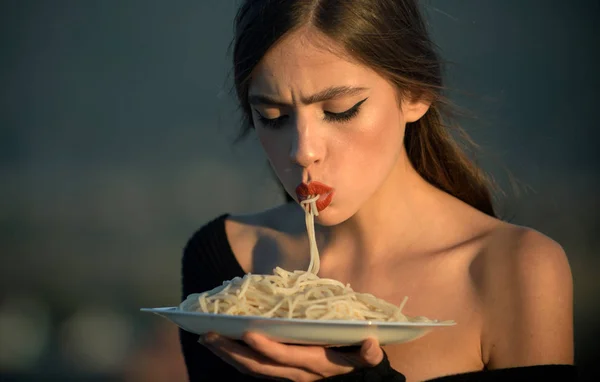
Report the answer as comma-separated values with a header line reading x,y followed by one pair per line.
x,y
325,193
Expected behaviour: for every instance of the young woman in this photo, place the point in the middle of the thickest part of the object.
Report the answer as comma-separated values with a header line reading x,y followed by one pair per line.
x,y
345,97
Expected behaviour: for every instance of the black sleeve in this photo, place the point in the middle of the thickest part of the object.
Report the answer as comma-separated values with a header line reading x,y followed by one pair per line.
x,y
204,267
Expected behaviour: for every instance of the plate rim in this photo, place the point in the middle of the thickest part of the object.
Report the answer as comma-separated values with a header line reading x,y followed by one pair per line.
x,y
174,310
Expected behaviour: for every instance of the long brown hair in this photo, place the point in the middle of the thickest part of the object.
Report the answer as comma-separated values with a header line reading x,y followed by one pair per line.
x,y
389,36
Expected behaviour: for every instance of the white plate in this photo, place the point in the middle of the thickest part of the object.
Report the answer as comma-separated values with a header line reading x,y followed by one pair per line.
x,y
295,331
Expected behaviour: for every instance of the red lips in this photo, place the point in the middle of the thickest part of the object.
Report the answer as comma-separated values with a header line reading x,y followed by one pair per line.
x,y
316,188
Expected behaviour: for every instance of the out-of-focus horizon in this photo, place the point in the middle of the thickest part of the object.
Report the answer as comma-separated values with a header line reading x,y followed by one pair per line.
x,y
116,130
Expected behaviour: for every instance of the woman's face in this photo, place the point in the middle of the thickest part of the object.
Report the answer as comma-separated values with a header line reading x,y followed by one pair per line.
x,y
321,117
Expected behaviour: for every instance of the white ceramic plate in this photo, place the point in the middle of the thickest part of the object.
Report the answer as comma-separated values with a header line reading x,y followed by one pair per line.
x,y
295,331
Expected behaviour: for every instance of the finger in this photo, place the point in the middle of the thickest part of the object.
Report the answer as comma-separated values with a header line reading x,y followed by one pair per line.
x,y
229,348
371,353
298,356
247,360
316,359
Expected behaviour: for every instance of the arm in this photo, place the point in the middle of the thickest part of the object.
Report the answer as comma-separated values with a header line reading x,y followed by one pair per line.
x,y
528,303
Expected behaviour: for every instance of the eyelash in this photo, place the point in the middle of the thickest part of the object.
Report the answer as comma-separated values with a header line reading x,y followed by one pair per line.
x,y
342,117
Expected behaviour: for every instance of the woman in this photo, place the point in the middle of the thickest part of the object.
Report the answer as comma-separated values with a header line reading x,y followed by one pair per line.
x,y
347,93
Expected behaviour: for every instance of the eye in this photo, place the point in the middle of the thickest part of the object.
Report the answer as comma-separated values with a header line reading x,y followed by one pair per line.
x,y
272,123
345,115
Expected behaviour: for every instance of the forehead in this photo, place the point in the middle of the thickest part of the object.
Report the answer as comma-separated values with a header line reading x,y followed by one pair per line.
x,y
304,63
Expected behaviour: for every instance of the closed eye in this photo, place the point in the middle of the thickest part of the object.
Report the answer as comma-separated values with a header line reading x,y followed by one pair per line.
x,y
345,115
273,123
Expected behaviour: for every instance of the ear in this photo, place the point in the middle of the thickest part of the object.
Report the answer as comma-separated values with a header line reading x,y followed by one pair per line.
x,y
413,110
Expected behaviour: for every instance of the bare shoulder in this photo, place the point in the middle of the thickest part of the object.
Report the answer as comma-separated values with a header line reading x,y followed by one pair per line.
x,y
260,230
525,285
278,219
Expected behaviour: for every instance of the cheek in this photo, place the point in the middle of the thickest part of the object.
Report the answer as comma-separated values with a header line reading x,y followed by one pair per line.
x,y
367,155
375,142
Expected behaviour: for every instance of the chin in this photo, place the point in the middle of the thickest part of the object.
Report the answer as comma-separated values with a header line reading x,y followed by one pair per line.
x,y
330,216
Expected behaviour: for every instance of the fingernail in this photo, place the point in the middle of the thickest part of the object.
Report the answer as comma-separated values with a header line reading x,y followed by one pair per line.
x,y
210,338
249,340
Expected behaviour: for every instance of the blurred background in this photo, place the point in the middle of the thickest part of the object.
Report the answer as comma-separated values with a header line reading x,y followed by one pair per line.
x,y
116,130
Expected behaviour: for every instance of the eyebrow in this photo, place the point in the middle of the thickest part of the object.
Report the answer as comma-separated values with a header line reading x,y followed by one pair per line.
x,y
323,95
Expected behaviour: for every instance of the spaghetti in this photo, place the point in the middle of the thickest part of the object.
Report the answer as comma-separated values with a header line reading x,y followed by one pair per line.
x,y
297,294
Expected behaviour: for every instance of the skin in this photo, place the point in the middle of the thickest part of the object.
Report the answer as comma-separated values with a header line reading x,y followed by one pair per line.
x,y
509,288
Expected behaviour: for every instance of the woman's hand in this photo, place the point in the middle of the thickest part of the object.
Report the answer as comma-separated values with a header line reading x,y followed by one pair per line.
x,y
265,358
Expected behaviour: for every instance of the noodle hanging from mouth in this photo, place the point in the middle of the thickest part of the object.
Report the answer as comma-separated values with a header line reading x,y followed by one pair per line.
x,y
297,294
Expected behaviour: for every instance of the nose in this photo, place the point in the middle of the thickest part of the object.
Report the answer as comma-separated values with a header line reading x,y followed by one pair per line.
x,y
306,148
